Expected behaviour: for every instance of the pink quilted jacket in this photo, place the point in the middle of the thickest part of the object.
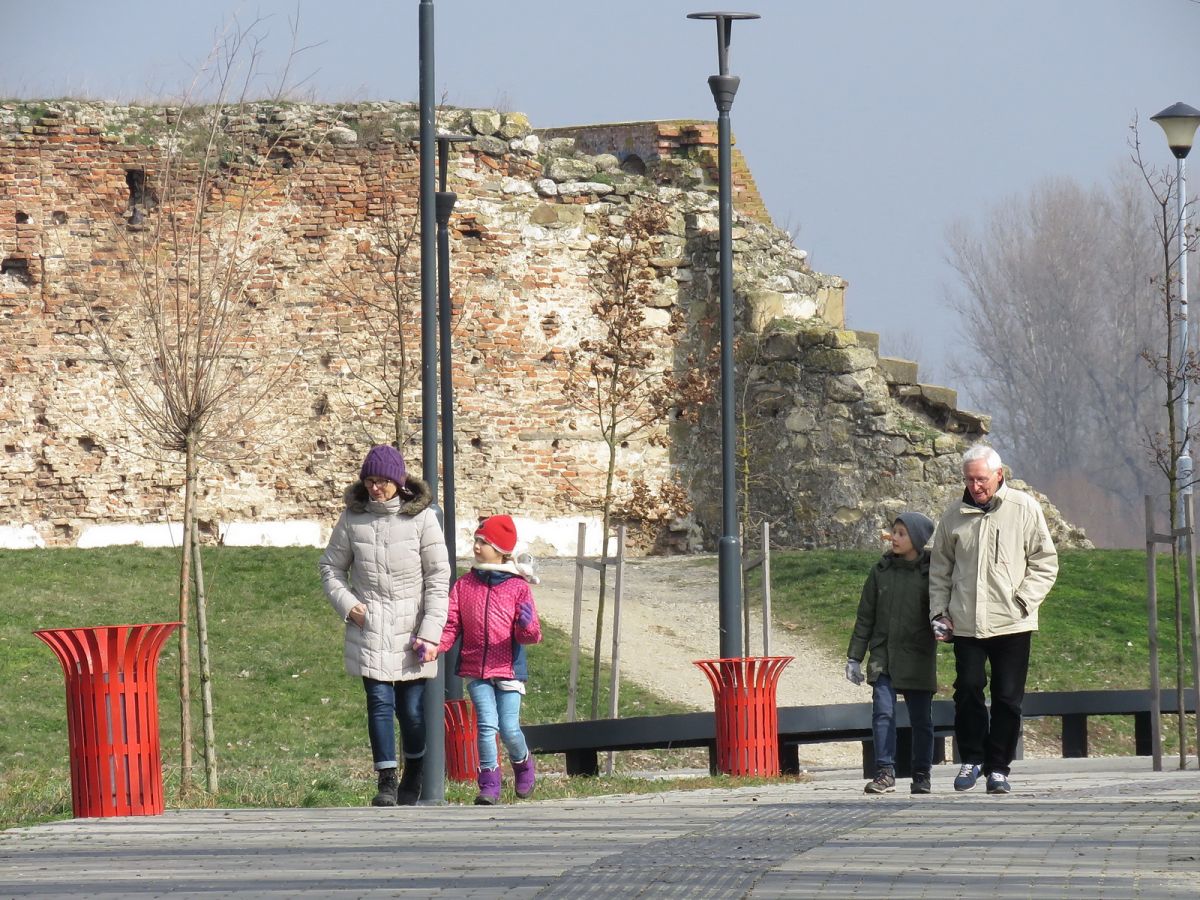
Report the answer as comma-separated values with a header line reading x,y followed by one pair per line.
x,y
484,610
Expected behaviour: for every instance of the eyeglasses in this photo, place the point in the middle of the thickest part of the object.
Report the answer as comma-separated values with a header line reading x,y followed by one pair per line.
x,y
983,480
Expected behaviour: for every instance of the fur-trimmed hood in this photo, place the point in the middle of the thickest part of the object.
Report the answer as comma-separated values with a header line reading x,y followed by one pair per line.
x,y
415,495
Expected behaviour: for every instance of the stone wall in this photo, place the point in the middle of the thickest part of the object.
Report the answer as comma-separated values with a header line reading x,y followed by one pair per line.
x,y
76,469
843,440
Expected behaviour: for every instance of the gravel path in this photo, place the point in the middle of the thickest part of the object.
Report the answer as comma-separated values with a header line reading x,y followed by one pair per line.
x,y
669,617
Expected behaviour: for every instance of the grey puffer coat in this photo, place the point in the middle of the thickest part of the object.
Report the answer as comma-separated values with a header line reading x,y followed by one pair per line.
x,y
392,557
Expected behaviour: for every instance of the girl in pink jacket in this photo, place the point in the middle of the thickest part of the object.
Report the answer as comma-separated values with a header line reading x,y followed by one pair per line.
x,y
492,608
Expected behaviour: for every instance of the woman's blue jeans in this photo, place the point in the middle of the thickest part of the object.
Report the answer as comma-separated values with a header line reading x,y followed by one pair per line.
x,y
497,710
386,702
883,724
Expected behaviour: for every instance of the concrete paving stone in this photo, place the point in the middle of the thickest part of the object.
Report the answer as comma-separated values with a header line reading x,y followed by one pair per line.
x,y
1072,828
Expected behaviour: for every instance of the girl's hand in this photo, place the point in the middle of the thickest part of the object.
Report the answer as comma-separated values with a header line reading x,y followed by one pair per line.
x,y
358,615
426,651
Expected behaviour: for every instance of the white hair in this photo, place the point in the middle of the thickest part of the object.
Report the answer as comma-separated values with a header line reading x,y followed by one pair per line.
x,y
984,452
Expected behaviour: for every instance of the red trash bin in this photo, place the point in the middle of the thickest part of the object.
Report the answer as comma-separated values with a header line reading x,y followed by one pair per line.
x,y
747,715
462,741
112,716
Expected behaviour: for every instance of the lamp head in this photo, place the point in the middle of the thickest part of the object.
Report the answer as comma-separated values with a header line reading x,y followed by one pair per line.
x,y
444,143
724,22
1179,123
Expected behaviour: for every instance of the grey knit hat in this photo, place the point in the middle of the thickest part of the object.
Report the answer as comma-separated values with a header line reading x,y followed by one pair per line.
x,y
919,527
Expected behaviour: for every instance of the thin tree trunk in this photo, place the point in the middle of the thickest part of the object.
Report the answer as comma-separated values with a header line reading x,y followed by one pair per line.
x,y
206,703
1181,715
605,522
185,584
398,421
743,465
745,594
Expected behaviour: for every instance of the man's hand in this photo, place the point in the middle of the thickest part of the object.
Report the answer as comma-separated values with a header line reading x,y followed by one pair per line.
x,y
854,672
943,628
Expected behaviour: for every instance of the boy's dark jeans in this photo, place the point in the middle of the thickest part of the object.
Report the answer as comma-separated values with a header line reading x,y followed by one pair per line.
x,y
883,725
990,741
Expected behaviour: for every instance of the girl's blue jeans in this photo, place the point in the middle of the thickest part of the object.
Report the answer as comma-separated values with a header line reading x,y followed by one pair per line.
x,y
883,724
386,702
497,710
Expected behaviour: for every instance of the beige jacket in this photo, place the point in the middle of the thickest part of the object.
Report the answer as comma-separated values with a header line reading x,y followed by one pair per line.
x,y
990,571
392,557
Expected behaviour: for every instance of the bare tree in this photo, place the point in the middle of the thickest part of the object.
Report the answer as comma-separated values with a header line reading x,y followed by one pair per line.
x,y
1055,306
198,382
1070,321
618,377
382,288
755,401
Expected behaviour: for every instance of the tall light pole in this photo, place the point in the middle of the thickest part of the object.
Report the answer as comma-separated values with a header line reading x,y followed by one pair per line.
x,y
1179,123
433,787
444,203
729,556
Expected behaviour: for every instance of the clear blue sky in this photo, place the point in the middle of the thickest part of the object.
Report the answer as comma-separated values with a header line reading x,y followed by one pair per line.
x,y
869,124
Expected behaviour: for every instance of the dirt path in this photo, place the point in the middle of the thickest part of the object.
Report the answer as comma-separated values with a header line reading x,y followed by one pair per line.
x,y
669,618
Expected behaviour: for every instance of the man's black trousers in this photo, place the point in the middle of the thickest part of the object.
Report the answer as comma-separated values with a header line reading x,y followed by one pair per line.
x,y
990,740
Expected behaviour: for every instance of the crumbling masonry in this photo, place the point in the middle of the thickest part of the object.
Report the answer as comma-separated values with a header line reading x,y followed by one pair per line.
x,y
840,438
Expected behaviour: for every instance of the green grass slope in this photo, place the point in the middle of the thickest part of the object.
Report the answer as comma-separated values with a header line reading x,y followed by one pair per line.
x,y
290,724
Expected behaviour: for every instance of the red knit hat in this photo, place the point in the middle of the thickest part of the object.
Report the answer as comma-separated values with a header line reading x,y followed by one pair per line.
x,y
500,532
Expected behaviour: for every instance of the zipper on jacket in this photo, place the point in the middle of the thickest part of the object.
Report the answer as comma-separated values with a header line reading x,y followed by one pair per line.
x,y
487,602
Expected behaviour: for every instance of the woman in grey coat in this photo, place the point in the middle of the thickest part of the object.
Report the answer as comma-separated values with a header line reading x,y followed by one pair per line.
x,y
386,574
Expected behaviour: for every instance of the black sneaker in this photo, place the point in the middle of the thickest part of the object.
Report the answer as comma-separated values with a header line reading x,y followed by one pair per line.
x,y
883,783
386,795
408,791
920,783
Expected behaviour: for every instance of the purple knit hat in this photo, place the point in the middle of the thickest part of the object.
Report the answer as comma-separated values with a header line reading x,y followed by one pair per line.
x,y
384,461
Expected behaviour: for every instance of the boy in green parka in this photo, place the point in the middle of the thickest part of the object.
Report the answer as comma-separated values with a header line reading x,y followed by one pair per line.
x,y
893,626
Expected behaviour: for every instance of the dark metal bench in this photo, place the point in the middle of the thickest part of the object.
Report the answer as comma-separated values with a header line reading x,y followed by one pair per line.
x,y
582,742
1074,708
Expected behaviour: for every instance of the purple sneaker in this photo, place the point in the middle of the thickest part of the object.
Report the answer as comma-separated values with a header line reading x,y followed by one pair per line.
x,y
525,776
489,787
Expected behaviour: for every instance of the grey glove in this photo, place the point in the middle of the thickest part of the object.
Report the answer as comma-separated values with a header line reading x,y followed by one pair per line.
x,y
854,672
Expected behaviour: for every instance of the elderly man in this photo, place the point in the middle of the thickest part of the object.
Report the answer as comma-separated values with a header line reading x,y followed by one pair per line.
x,y
991,565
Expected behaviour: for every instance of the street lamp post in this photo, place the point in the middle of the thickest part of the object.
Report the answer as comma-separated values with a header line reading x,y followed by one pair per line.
x,y
444,201
433,781
729,557
1179,123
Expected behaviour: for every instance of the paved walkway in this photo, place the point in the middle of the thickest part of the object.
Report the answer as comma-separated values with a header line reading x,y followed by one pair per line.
x,y
1072,828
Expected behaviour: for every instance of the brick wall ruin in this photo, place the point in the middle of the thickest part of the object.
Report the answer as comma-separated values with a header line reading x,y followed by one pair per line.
x,y
76,468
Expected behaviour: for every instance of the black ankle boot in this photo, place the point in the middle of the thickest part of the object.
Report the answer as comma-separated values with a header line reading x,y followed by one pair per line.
x,y
409,791
386,794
